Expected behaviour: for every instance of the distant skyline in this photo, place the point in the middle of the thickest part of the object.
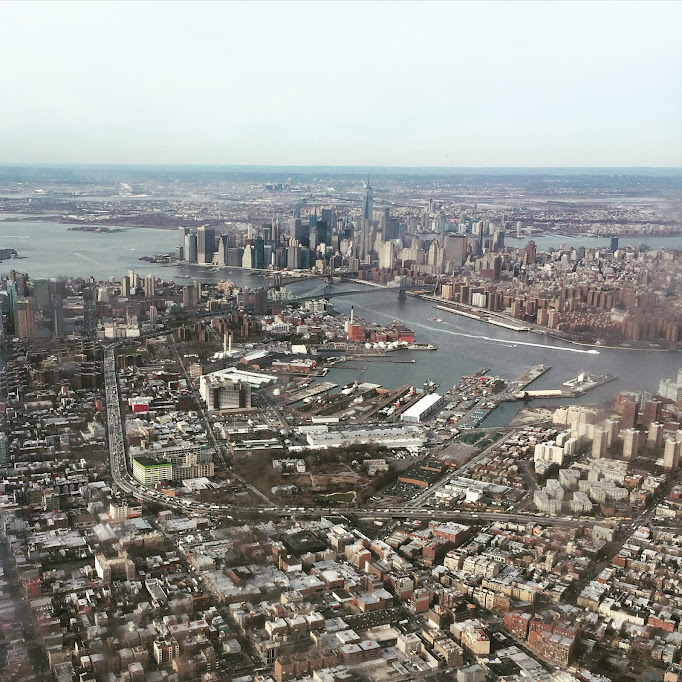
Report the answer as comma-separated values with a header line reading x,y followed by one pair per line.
x,y
379,84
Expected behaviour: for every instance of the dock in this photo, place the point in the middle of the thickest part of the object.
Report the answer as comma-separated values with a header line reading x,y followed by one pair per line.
x,y
530,376
584,383
484,317
310,391
463,313
572,388
505,325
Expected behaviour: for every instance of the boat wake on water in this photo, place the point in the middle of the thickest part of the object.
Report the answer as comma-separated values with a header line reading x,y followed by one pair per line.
x,y
87,258
505,342
509,342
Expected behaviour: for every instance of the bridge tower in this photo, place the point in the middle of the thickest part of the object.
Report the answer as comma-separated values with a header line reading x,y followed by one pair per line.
x,y
328,280
278,281
402,295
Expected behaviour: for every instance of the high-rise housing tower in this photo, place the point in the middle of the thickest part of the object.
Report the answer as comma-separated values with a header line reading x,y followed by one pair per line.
x,y
149,283
24,319
4,449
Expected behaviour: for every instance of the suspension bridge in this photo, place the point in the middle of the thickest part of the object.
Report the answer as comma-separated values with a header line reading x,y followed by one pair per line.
x,y
324,289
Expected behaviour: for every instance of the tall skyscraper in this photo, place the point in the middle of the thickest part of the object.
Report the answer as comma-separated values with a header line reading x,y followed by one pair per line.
x,y
12,294
182,236
455,247
329,217
248,257
41,294
222,249
293,255
125,287
259,253
234,257
391,229
387,255
59,326
366,239
368,203
276,231
205,244
190,252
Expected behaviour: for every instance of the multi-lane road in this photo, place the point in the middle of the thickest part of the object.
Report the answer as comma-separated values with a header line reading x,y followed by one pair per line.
x,y
123,481
461,471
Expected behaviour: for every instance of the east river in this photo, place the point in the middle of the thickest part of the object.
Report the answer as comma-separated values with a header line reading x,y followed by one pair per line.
x,y
464,345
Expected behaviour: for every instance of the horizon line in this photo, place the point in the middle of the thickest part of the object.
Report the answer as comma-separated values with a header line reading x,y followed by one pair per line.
x,y
327,167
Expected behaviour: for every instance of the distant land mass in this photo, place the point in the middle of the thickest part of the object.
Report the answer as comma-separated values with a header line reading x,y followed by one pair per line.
x,y
83,171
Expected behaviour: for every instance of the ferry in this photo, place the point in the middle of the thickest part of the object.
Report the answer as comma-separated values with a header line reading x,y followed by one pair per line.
x,y
435,319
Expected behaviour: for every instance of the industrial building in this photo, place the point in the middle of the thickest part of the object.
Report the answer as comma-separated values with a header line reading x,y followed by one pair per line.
x,y
390,437
223,392
422,408
255,379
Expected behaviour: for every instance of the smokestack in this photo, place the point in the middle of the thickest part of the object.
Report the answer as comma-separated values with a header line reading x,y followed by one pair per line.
x,y
352,312
230,348
224,343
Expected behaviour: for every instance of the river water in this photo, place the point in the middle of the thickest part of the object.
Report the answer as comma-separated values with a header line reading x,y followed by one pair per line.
x,y
464,345
544,243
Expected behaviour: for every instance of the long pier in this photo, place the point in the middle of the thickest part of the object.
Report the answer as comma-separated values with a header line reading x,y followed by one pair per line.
x,y
310,391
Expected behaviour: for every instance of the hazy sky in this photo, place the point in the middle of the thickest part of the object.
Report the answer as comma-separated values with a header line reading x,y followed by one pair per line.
x,y
385,83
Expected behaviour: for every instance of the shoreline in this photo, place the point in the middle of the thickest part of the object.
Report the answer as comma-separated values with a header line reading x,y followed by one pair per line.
x,y
60,220
543,331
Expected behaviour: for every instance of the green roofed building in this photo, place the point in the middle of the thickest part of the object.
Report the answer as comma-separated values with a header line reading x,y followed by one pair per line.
x,y
150,470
